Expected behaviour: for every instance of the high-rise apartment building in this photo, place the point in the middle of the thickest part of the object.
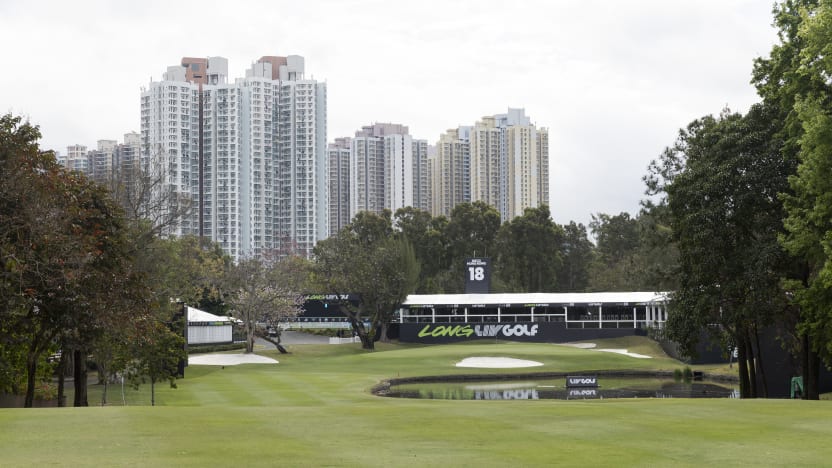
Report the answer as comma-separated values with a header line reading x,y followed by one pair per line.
x,y
76,159
338,154
503,160
453,171
102,161
249,156
110,163
388,169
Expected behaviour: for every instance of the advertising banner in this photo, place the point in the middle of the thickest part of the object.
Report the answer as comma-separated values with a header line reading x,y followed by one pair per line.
x,y
537,332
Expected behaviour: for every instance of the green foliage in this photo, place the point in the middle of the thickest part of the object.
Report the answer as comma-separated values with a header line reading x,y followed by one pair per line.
x,y
470,232
428,237
365,259
808,205
722,200
633,254
529,251
214,348
577,253
155,354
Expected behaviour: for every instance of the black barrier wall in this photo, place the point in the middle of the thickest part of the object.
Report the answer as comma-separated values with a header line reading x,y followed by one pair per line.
x,y
533,332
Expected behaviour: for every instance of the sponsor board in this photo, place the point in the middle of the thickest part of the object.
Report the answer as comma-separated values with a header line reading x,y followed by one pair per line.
x,y
521,394
479,331
573,381
582,393
532,332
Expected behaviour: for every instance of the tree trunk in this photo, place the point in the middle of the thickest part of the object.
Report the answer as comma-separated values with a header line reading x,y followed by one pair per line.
x,y
742,365
249,338
760,367
805,351
61,379
812,392
31,371
752,365
384,338
152,392
366,339
80,378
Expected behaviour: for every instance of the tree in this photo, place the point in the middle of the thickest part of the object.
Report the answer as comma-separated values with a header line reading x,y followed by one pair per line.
x,y
258,296
528,251
471,232
427,235
578,253
155,354
808,206
725,216
364,259
63,253
617,241
793,80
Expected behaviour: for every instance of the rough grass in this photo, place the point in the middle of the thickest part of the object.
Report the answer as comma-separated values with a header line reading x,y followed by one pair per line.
x,y
314,409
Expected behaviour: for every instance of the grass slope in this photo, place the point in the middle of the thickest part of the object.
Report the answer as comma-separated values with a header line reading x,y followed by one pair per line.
x,y
314,409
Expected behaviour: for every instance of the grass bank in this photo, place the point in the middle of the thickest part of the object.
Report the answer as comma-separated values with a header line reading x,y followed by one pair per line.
x,y
315,409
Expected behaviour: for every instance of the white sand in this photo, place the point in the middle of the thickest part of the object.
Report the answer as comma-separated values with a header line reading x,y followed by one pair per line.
x,y
624,352
496,363
228,359
617,351
579,345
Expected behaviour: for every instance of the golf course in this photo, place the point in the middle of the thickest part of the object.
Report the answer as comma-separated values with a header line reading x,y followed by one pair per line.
x,y
315,408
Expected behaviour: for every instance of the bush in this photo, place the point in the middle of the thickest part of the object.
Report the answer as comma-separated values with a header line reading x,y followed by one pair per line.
x,y
688,374
677,374
328,332
214,348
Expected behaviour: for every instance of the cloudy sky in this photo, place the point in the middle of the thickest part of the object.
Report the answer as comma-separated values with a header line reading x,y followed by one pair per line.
x,y
612,80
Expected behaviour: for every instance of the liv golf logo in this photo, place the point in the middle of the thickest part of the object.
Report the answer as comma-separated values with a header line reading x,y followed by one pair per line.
x,y
481,331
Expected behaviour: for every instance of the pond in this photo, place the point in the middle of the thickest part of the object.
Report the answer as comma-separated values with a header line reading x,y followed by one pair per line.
x,y
556,389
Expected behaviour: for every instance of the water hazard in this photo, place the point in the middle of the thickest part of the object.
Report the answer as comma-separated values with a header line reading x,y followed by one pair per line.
x,y
557,389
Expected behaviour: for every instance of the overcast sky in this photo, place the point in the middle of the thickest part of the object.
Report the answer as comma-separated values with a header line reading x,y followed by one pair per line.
x,y
613,81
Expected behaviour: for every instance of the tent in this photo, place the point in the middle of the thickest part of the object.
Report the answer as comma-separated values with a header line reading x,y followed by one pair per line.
x,y
205,328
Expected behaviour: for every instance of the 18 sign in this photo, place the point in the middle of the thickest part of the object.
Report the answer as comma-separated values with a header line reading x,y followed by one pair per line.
x,y
478,280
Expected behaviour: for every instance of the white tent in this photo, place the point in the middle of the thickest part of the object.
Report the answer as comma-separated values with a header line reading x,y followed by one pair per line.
x,y
204,327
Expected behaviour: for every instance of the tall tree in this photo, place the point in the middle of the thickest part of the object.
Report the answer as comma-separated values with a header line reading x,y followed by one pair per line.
x,y
528,251
577,252
471,232
616,266
427,235
791,80
258,296
364,259
725,217
808,205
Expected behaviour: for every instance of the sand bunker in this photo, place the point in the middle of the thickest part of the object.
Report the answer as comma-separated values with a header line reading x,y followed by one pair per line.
x,y
617,351
496,363
579,345
624,352
228,359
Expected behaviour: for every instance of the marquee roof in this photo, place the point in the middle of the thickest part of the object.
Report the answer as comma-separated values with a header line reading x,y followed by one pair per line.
x,y
597,298
196,315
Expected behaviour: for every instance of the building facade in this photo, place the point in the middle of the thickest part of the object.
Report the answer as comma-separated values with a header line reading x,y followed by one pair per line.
x,y
248,157
388,170
338,154
502,160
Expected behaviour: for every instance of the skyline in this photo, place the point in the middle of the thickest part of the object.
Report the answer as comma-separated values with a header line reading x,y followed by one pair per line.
x,y
612,82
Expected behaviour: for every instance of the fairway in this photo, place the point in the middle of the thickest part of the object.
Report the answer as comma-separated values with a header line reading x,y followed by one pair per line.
x,y
314,408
